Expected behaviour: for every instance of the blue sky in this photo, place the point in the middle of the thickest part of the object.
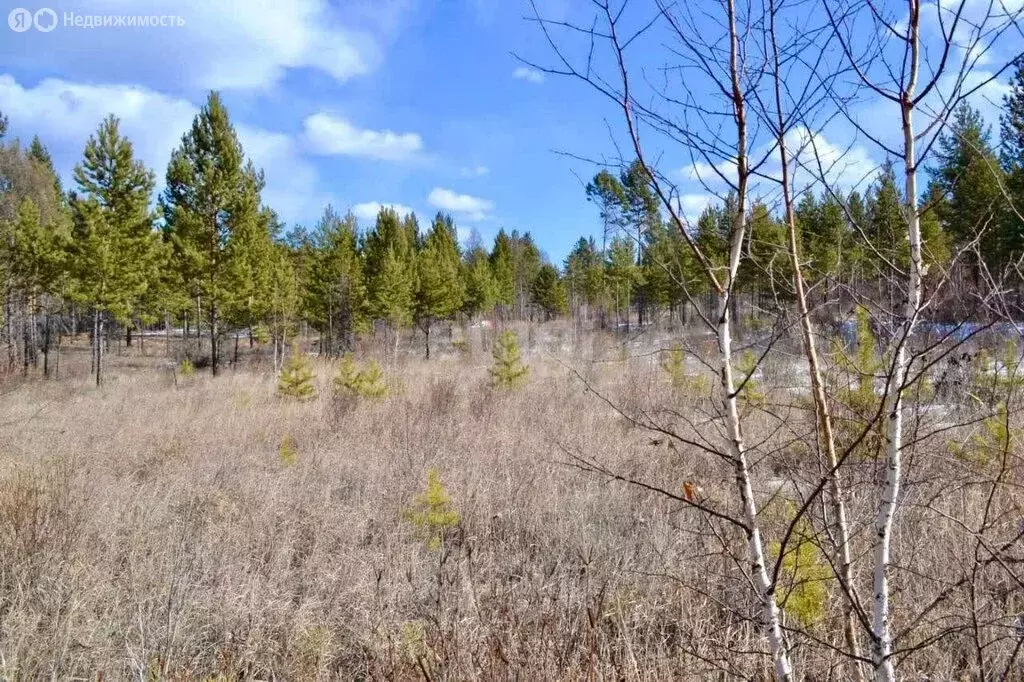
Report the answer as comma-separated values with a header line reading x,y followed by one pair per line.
x,y
408,102
417,103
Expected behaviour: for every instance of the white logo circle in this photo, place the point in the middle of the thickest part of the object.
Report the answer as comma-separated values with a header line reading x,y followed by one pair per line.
x,y
46,20
20,20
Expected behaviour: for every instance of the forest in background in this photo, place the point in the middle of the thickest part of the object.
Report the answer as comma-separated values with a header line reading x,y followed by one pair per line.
x,y
208,257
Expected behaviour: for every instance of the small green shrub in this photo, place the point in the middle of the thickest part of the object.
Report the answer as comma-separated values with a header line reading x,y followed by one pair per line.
x,y
260,334
803,592
865,362
367,382
186,369
990,443
673,363
432,513
994,379
750,392
288,452
297,377
508,370
414,640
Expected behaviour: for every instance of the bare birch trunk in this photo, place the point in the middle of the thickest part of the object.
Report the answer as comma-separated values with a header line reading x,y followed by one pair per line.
x,y
881,649
766,590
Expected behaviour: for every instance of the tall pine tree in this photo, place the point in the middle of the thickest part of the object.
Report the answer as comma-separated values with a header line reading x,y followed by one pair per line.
x,y
1011,157
966,183
440,290
336,292
212,196
390,268
117,252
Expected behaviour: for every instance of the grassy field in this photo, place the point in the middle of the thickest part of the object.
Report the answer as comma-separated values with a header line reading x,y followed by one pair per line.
x,y
212,529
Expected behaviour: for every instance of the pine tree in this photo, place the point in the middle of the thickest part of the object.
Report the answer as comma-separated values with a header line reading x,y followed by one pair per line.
x,y
390,269
768,269
527,260
481,288
607,192
584,276
335,297
440,290
548,292
968,178
33,284
642,216
508,370
117,251
855,258
354,382
38,151
504,269
1011,156
886,223
622,274
212,195
824,234
712,237
297,378
36,261
250,270
283,303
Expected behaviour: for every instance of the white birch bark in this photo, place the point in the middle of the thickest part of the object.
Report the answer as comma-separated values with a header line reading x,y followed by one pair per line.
x,y
881,649
755,545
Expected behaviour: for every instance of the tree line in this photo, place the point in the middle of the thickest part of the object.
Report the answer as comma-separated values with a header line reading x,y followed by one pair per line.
x,y
210,257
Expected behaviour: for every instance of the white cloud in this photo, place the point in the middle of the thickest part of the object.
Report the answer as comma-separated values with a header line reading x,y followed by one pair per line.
x,y
293,182
468,207
368,210
705,172
230,44
65,114
327,134
690,206
813,155
525,73
475,172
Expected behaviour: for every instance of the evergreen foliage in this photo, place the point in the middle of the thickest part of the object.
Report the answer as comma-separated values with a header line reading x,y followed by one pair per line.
x,y
481,287
440,290
432,513
548,292
508,370
297,379
361,382
288,451
211,208
806,575
215,261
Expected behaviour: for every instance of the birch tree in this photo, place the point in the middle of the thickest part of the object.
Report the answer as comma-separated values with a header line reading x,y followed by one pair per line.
x,y
917,89
724,61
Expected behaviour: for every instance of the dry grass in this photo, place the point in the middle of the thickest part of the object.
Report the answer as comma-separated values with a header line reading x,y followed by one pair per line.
x,y
155,532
